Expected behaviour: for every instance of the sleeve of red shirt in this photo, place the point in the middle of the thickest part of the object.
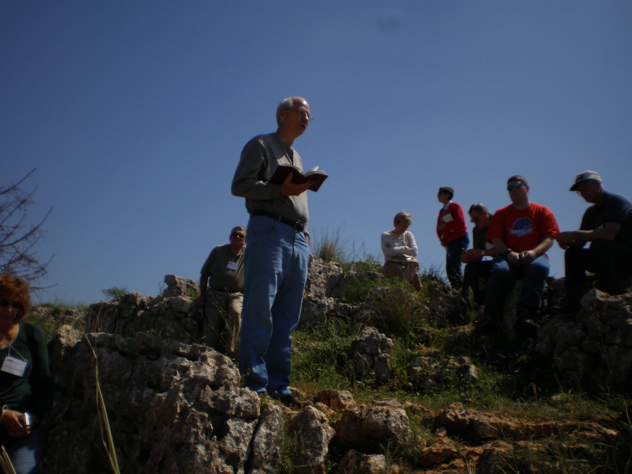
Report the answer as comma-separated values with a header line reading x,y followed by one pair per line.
x,y
548,224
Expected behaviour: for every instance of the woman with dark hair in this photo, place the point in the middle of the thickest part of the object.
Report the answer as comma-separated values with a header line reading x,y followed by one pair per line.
x,y
399,248
25,382
452,233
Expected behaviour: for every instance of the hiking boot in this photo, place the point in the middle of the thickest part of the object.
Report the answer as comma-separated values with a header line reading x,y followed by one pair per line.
x,y
292,401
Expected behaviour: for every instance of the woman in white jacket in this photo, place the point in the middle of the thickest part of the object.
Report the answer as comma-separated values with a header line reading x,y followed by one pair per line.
x,y
400,249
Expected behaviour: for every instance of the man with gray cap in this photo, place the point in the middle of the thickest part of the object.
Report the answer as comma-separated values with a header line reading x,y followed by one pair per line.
x,y
607,225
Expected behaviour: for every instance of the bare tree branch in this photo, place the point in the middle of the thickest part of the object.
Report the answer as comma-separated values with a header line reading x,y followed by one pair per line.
x,y
18,238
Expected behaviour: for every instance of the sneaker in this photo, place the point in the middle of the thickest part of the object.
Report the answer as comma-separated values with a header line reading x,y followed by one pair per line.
x,y
292,401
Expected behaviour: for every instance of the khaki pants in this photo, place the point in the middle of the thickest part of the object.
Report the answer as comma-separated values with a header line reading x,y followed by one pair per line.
x,y
408,272
222,320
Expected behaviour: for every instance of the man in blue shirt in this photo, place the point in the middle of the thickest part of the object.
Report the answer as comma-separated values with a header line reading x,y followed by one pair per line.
x,y
607,225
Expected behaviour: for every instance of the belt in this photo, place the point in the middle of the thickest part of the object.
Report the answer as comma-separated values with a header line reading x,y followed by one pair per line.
x,y
294,224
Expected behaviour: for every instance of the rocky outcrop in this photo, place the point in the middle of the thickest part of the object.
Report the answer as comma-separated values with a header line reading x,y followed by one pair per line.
x,y
172,407
593,348
370,428
590,349
356,461
179,408
427,373
176,406
172,315
371,356
477,427
311,427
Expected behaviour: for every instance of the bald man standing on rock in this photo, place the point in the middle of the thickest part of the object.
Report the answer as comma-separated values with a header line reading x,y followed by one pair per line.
x,y
277,258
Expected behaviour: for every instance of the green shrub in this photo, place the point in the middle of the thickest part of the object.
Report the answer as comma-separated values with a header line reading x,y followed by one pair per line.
x,y
320,354
357,291
115,292
48,325
431,274
397,311
192,293
51,320
367,265
329,246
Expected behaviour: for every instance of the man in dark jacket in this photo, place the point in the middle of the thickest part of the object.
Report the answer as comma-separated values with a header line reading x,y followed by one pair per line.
x,y
607,225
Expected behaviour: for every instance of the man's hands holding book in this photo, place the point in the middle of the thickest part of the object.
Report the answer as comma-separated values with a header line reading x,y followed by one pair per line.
x,y
290,188
310,180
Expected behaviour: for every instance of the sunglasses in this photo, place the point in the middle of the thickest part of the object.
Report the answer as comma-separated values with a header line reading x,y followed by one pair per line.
x,y
13,304
514,186
475,220
238,235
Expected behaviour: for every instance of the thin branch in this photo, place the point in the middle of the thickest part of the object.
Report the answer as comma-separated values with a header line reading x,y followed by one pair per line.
x,y
17,239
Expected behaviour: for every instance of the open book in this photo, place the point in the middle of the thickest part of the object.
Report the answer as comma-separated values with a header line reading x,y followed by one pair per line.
x,y
318,176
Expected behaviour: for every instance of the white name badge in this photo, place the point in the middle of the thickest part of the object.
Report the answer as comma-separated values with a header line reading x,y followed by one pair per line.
x,y
14,366
232,266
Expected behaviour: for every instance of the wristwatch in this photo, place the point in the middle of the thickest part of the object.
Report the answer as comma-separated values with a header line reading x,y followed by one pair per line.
x,y
506,252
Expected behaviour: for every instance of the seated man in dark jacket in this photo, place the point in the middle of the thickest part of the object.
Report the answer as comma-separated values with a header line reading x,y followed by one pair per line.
x,y
607,225
477,269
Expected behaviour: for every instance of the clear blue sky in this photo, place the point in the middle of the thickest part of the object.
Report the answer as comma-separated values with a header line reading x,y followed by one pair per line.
x,y
135,113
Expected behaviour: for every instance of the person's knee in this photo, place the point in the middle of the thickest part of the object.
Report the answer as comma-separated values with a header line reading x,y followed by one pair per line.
x,y
499,272
602,250
538,272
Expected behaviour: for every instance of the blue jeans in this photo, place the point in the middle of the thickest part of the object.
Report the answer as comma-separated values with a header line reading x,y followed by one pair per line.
x,y
502,279
25,452
275,273
475,278
454,250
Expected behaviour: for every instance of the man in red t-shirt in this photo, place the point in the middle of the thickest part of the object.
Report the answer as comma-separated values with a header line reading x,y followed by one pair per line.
x,y
521,233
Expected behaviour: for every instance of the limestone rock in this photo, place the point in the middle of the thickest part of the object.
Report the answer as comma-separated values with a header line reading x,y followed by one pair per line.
x,y
592,348
172,317
338,399
427,373
172,407
368,428
441,451
475,426
321,277
265,446
371,353
178,286
355,462
311,426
